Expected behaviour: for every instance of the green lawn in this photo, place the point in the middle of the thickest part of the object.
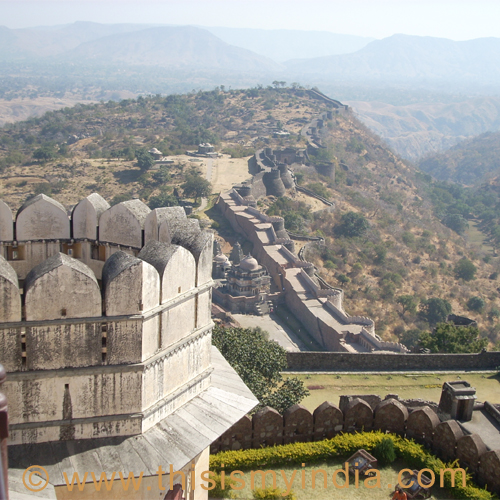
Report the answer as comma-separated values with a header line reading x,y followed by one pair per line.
x,y
325,387
388,480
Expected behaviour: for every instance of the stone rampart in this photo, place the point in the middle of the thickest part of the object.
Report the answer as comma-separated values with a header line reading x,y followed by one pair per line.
x,y
360,413
387,362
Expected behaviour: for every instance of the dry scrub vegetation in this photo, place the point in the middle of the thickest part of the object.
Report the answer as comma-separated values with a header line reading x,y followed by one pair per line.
x,y
404,251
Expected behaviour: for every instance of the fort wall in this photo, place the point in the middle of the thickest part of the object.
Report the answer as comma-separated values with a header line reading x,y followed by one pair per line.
x,y
386,362
110,349
445,439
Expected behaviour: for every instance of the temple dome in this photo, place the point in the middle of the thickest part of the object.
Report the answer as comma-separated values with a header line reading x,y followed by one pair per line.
x,y
220,258
249,264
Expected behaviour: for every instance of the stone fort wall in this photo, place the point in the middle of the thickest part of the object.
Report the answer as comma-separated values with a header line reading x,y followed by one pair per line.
x,y
357,414
105,323
380,362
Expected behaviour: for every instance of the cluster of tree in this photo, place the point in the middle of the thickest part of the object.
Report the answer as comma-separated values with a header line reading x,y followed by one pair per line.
x,y
448,338
352,224
259,362
456,205
296,213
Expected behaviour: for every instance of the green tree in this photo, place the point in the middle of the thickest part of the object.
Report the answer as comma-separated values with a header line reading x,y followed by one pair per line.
x,y
144,160
410,338
352,224
465,269
434,310
259,362
163,200
196,186
409,303
448,338
45,153
476,304
456,222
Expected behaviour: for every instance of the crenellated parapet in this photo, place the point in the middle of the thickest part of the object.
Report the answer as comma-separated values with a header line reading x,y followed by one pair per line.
x,y
138,323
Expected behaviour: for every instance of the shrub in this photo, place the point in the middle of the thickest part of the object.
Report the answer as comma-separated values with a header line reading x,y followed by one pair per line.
x,y
272,494
476,304
384,451
218,491
465,269
414,455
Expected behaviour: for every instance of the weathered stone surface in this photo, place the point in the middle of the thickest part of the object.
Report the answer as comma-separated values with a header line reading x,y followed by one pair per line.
x,y
420,425
10,298
297,424
86,215
238,437
123,223
489,468
391,416
6,222
61,287
446,436
469,450
358,416
328,421
42,218
267,428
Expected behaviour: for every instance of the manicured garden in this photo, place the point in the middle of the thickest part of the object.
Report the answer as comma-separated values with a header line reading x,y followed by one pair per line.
x,y
330,455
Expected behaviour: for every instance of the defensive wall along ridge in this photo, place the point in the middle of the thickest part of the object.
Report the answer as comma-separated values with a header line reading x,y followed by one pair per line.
x,y
320,310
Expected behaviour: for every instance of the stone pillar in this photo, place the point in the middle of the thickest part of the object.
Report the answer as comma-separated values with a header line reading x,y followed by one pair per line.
x,y
457,401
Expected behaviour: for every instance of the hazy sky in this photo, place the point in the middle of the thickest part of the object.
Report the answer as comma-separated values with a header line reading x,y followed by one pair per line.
x,y
455,19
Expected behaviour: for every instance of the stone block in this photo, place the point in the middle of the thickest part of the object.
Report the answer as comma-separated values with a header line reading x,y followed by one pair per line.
x,y
358,416
297,425
420,425
391,416
446,436
267,428
328,421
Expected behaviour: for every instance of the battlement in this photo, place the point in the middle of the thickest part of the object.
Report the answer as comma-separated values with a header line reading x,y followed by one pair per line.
x,y
103,297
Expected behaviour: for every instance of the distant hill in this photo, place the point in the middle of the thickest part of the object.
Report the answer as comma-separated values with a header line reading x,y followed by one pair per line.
x,y
282,45
415,130
170,47
471,162
415,58
49,41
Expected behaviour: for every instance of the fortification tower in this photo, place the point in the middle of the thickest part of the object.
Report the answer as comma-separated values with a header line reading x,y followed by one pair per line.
x,y
108,349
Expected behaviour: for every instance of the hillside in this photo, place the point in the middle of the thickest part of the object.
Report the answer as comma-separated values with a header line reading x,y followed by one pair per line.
x,y
26,43
471,162
175,47
401,58
416,130
404,249
283,45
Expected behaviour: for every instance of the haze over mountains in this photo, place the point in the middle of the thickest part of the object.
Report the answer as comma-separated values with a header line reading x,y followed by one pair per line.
x,y
447,90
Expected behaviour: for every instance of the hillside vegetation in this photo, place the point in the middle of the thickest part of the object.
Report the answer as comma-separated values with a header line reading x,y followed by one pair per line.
x,y
471,162
385,243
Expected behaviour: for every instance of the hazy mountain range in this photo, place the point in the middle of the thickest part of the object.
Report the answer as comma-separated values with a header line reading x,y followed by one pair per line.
x,y
423,71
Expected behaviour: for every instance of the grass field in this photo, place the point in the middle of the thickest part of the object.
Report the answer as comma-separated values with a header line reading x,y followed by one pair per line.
x,y
326,387
363,491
